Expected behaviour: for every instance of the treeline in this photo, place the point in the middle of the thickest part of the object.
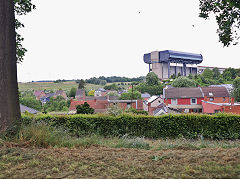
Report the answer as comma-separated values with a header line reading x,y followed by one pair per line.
x,y
112,79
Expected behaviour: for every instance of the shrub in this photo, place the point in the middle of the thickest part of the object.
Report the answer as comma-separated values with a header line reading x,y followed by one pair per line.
x,y
219,126
133,142
84,109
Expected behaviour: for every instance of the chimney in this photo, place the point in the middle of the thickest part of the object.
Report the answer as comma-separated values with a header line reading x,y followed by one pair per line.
x,y
232,100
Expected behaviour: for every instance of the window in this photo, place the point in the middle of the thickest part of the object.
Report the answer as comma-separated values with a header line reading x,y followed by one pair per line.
x,y
174,101
211,99
128,105
193,100
224,99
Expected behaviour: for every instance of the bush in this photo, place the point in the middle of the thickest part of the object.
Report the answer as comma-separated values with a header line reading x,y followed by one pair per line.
x,y
219,126
84,109
133,142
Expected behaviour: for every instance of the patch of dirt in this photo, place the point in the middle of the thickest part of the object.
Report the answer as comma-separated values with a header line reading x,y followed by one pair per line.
x,y
102,162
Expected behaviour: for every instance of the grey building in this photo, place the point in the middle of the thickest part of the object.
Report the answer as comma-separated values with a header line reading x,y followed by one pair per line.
x,y
169,62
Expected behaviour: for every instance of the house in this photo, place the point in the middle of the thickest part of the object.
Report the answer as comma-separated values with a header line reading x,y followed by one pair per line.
x,y
145,96
80,94
60,93
30,110
208,100
211,107
153,103
39,94
100,92
184,99
126,104
100,104
46,98
216,94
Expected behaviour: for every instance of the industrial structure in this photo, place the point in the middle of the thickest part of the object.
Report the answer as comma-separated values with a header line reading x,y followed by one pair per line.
x,y
169,62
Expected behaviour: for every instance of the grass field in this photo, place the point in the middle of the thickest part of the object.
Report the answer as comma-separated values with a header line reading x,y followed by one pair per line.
x,y
96,157
66,86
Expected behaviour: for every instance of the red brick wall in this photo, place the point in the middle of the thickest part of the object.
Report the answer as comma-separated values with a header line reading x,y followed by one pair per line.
x,y
232,109
219,99
199,100
210,108
167,101
183,101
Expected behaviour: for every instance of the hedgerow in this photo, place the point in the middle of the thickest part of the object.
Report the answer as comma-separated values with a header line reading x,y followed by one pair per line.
x,y
219,126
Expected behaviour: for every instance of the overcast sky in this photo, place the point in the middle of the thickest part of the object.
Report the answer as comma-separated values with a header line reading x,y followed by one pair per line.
x,y
79,39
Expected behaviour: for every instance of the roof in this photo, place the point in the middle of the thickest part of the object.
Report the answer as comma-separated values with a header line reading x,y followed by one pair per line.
x,y
30,110
37,92
145,95
59,92
101,90
175,57
80,92
152,98
183,93
215,92
93,104
50,94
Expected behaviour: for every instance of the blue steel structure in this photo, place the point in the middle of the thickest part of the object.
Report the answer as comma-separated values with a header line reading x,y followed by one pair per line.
x,y
170,56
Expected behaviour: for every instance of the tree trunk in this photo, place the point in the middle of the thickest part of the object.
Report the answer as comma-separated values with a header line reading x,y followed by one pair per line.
x,y
9,103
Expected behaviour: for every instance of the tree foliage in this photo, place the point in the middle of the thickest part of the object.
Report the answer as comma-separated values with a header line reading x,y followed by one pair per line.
x,y
81,84
22,7
236,88
84,109
183,81
227,14
131,95
72,92
152,79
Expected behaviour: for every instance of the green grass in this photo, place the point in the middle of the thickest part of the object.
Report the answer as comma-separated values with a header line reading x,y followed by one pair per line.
x,y
66,86
41,151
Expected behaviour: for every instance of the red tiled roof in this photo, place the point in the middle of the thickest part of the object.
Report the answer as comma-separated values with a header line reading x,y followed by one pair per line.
x,y
96,105
215,92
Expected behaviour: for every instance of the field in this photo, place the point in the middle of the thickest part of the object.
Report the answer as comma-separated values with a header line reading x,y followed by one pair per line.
x,y
66,86
105,158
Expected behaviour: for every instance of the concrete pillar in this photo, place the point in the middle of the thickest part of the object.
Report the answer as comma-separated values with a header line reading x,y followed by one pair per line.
x,y
184,69
169,69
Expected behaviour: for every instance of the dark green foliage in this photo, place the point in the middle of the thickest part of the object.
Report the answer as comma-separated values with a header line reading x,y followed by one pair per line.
x,y
31,102
56,104
208,74
81,84
84,109
183,81
236,89
152,79
21,7
72,92
135,111
111,87
227,16
152,90
112,79
130,95
220,126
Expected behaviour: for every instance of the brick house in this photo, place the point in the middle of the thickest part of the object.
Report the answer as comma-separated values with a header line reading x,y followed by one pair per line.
x,y
80,94
60,93
100,104
183,99
211,107
39,94
216,94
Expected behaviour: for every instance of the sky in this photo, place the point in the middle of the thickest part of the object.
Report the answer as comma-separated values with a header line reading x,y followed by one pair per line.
x,y
81,39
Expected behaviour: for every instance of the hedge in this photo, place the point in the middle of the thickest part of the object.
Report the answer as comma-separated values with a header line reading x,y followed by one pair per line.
x,y
220,126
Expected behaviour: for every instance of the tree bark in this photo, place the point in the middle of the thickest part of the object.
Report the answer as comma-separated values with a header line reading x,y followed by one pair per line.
x,y
9,102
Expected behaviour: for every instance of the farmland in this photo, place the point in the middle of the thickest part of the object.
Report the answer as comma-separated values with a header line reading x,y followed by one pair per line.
x,y
66,86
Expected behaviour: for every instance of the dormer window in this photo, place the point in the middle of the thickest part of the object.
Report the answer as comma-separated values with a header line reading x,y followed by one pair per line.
x,y
210,94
